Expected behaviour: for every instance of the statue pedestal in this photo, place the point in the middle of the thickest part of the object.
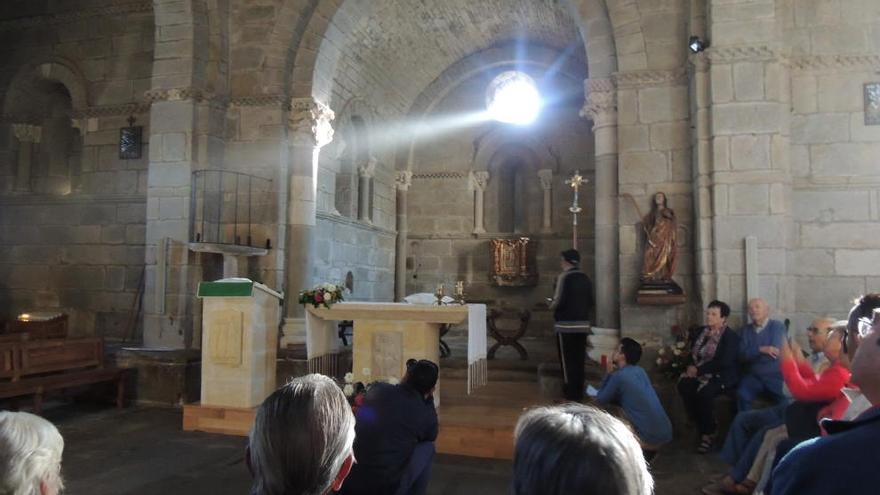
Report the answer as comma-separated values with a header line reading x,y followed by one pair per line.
x,y
660,293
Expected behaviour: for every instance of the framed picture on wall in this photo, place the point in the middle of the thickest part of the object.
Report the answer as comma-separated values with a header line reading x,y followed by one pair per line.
x,y
872,103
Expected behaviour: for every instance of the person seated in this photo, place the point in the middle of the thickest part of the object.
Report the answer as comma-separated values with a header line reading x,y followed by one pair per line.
x,y
748,429
301,441
573,448
759,345
714,372
630,388
396,429
844,461
30,455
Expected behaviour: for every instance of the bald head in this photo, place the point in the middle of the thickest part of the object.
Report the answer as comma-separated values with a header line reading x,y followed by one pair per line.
x,y
817,333
759,311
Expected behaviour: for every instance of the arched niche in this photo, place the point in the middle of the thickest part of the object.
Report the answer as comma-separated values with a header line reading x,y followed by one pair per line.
x,y
354,163
39,109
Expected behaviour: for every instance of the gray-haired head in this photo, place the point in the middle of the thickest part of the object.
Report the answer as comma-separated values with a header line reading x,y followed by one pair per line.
x,y
574,448
301,439
30,455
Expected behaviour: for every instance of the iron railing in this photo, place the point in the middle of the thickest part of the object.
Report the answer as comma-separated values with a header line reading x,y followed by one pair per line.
x,y
231,208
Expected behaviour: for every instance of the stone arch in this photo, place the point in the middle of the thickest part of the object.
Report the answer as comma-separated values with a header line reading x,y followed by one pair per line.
x,y
499,139
314,22
40,106
352,152
54,69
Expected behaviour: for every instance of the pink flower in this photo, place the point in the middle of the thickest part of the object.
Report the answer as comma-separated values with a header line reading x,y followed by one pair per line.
x,y
318,297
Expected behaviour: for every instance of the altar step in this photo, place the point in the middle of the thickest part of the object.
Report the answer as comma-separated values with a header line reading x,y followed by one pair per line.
x,y
482,424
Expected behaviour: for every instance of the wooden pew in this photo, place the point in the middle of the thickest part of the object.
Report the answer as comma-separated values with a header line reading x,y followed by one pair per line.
x,y
39,367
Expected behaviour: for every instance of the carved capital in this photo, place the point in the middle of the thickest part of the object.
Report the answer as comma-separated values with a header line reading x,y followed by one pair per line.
x,y
403,180
27,133
369,169
310,122
601,103
545,175
479,180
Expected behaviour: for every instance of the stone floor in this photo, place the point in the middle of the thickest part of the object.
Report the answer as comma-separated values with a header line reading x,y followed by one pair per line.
x,y
142,451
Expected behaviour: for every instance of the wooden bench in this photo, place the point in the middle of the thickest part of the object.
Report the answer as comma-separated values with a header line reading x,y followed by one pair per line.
x,y
38,367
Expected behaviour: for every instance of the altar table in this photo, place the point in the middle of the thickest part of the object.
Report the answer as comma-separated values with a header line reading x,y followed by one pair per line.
x,y
387,334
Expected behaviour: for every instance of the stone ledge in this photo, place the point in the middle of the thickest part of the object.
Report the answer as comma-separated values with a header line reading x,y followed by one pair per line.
x,y
329,217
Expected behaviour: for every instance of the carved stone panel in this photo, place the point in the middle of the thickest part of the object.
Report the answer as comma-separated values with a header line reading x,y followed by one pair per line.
x,y
225,339
387,355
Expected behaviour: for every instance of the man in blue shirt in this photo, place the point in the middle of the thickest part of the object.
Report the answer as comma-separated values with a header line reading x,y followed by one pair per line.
x,y
845,461
759,345
630,388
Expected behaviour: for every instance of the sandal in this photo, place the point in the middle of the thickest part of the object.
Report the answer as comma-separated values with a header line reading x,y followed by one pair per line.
x,y
705,446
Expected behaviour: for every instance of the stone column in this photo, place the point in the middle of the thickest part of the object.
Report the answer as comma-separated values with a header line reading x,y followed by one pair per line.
x,y
365,175
601,108
546,178
478,182
28,136
402,182
309,129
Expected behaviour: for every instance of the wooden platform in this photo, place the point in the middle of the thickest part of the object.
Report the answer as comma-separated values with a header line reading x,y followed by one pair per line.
x,y
480,425
218,419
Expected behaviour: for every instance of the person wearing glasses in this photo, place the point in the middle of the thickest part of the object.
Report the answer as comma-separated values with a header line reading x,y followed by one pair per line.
x,y
759,346
746,436
844,461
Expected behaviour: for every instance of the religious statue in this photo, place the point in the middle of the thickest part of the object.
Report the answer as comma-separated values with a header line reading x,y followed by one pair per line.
x,y
512,263
658,262
660,227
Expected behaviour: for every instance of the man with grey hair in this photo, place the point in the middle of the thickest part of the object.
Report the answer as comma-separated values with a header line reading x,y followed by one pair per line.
x,y
759,346
30,455
301,441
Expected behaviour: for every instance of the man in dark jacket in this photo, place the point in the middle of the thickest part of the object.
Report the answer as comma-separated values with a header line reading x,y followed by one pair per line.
x,y
572,305
395,432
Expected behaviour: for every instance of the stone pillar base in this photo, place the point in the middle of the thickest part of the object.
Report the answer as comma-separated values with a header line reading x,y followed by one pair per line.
x,y
293,331
604,342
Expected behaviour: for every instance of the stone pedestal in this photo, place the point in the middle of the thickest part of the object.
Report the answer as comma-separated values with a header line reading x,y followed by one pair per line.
x,y
239,343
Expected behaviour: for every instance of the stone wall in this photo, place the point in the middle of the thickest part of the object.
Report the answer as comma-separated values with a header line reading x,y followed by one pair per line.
x,y
442,246
835,157
72,236
344,245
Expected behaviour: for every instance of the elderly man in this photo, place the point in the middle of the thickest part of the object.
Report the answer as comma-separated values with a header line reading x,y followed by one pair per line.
x,y
747,431
845,461
30,455
759,345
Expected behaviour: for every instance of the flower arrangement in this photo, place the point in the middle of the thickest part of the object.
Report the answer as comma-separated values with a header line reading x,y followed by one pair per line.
x,y
356,392
674,358
322,295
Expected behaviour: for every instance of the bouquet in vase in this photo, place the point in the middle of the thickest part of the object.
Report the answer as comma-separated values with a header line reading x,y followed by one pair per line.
x,y
322,295
674,358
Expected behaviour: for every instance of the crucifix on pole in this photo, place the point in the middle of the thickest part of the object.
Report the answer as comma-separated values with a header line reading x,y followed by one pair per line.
x,y
576,181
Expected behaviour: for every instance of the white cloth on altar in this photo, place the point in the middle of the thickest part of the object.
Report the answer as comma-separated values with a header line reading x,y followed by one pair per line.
x,y
477,372
322,339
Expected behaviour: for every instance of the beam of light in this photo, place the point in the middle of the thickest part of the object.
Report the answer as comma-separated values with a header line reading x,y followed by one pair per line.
x,y
513,98
394,134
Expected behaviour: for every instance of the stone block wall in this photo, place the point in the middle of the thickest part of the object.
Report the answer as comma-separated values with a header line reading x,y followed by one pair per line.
x,y
835,157
441,245
343,245
78,245
84,257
